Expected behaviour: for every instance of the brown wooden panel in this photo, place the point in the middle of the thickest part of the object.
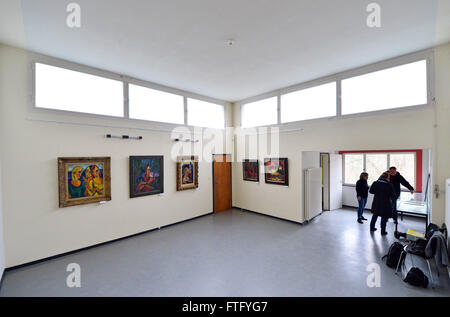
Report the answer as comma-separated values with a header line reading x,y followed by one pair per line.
x,y
222,183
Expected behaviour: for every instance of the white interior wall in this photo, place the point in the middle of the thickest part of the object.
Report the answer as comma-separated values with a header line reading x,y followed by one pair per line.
x,y
36,228
441,149
2,249
275,200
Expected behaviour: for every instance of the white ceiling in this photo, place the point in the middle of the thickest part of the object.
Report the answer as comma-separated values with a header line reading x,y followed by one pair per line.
x,y
183,43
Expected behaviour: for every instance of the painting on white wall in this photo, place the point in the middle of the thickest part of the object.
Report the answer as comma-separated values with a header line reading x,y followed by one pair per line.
x,y
276,171
187,172
83,180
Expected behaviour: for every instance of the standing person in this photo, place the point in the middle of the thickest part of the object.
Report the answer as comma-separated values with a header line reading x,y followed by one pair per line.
x,y
362,191
396,179
381,206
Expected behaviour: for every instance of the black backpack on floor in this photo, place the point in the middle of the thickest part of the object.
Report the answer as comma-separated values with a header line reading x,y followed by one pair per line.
x,y
394,254
416,277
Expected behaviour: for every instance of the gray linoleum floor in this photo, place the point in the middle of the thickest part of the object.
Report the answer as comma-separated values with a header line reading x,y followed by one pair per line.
x,y
233,253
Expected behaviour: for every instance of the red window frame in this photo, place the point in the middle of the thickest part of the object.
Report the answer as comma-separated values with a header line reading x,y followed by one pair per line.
x,y
419,162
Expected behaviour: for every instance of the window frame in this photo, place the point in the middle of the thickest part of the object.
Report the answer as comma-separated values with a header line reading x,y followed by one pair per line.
x,y
241,109
35,58
286,92
343,167
418,154
127,106
186,113
385,66
427,55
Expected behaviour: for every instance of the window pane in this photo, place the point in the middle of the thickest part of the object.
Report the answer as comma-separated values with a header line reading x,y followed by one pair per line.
x,y
63,89
376,164
205,114
260,113
406,165
311,103
155,105
395,87
354,166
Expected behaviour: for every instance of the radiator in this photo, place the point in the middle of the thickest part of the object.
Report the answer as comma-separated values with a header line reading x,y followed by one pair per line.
x,y
313,193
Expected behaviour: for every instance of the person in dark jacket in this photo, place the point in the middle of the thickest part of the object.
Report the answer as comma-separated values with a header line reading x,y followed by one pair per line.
x,y
362,191
381,207
396,179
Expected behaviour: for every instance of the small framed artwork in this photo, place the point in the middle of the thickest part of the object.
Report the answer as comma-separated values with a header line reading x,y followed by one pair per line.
x,y
187,172
276,171
83,180
146,175
251,170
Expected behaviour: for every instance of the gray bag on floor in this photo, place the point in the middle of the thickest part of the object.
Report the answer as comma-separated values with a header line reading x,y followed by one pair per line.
x,y
412,269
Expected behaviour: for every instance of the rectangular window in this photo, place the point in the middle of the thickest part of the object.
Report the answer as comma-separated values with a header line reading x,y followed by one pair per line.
x,y
205,114
406,165
63,89
376,164
310,103
409,164
353,167
395,87
260,113
155,105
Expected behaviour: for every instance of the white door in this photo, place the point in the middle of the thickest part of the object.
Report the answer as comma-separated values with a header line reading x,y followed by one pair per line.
x,y
335,181
447,204
325,162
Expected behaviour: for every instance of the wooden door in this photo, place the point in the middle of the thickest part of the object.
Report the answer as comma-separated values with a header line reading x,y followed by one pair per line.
x,y
222,182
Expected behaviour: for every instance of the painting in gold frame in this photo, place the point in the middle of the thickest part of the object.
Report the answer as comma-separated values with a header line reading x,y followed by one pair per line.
x,y
83,180
187,172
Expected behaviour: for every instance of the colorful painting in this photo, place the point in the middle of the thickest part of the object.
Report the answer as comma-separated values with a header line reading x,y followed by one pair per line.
x,y
276,171
251,170
83,180
187,172
146,175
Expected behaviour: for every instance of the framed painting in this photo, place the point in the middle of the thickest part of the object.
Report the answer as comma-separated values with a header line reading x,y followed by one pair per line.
x,y
251,170
83,180
187,172
146,175
276,171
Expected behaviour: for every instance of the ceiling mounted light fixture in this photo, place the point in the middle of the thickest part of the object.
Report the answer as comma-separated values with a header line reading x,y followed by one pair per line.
x,y
230,42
